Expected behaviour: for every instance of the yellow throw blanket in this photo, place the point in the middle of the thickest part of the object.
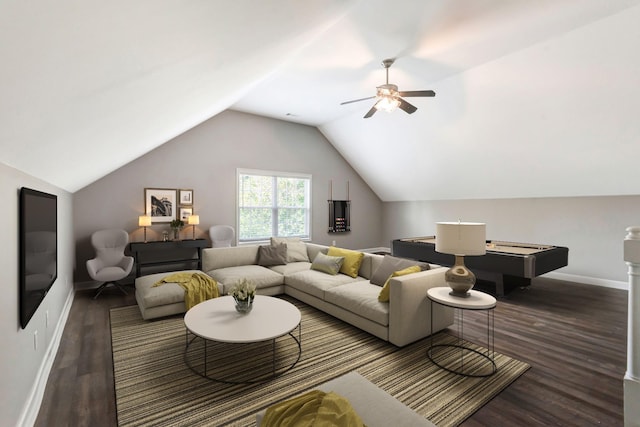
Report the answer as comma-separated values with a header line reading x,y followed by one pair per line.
x,y
198,287
313,409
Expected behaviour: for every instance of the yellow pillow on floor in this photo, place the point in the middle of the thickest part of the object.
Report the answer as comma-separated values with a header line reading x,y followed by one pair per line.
x,y
352,260
384,293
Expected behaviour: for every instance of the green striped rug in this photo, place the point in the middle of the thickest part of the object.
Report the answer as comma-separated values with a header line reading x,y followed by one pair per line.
x,y
154,386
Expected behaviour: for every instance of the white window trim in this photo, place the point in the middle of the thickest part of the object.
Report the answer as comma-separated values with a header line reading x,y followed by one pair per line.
x,y
263,172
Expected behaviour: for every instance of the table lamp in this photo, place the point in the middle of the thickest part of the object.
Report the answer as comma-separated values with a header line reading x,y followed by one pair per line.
x,y
193,221
144,221
460,239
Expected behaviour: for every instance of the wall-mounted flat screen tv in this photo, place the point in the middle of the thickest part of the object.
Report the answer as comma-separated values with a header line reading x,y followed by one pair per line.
x,y
38,249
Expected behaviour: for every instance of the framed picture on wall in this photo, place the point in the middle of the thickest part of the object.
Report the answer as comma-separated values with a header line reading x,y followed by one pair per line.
x,y
185,213
186,197
161,204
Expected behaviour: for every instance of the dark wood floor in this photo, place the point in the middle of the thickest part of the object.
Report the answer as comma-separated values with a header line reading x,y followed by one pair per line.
x,y
572,335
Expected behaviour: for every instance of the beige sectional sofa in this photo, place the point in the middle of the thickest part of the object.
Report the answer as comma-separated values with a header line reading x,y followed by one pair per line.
x,y
404,319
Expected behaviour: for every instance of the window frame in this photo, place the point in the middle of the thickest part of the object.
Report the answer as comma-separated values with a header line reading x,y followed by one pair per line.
x,y
275,175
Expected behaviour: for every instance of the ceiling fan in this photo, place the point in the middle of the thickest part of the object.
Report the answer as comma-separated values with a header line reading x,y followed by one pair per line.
x,y
389,98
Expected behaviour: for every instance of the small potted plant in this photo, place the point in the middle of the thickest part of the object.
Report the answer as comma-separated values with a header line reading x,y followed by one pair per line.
x,y
176,225
243,292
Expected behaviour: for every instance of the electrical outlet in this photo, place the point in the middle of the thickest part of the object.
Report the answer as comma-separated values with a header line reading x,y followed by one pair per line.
x,y
333,243
35,340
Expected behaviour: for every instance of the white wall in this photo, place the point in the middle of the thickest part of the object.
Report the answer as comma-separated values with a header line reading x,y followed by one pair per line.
x,y
23,369
205,159
557,119
593,228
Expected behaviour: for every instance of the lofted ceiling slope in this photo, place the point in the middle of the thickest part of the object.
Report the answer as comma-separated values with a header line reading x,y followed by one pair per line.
x,y
535,98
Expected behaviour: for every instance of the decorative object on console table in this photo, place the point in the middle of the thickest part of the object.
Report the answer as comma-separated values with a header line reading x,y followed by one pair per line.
x,y
193,221
160,204
176,225
460,239
144,221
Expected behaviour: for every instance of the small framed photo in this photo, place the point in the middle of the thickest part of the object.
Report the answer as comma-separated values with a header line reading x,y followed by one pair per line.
x,y
185,213
186,197
161,204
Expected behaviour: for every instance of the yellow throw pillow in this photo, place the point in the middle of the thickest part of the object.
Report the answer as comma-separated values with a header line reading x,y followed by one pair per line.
x,y
352,260
384,293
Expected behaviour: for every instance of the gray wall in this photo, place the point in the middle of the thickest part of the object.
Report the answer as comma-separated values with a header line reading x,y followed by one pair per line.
x,y
592,227
205,159
21,364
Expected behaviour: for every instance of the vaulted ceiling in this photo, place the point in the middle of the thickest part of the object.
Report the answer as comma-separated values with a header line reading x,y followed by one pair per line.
x,y
534,98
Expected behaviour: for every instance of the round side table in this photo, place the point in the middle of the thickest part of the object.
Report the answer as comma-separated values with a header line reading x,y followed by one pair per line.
x,y
460,358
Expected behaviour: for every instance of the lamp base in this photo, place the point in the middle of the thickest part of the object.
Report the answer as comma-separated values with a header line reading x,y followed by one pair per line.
x,y
460,279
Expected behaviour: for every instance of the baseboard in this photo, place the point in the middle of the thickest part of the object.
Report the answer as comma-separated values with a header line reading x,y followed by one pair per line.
x,y
32,407
588,280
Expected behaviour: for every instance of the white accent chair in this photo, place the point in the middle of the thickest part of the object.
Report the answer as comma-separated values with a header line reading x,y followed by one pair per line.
x,y
110,263
221,236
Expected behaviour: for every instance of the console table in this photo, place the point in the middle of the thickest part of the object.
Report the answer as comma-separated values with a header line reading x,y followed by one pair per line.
x,y
166,253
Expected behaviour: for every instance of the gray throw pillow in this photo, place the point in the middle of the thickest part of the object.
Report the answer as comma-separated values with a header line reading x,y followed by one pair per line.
x,y
272,255
296,248
327,264
390,264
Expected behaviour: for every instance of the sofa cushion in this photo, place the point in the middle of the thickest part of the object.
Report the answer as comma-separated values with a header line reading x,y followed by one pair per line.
x,y
361,298
313,249
290,268
384,293
272,255
352,260
390,264
261,276
296,248
315,282
234,256
327,264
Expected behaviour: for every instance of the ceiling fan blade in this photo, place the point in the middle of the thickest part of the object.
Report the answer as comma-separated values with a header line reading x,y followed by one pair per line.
x,y
406,107
371,112
417,93
357,100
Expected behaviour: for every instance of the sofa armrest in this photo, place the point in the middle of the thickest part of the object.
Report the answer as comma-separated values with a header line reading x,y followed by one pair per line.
x,y
410,309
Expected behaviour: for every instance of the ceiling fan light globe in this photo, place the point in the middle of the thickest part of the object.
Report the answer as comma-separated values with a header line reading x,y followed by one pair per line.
x,y
387,103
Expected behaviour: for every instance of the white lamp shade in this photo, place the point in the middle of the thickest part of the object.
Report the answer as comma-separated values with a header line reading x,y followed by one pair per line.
x,y
144,221
193,220
461,238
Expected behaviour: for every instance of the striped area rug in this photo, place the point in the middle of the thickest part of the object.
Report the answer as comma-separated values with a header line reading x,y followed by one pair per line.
x,y
154,386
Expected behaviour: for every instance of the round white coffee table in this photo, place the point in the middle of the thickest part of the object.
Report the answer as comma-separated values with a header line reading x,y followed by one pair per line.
x,y
218,321
472,365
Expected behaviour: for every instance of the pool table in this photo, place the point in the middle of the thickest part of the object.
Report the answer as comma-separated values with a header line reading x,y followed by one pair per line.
x,y
508,264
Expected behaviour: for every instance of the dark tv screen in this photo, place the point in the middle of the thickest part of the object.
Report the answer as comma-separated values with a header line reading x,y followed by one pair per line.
x,y
38,249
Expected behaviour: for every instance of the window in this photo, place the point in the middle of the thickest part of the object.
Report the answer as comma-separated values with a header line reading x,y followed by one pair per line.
x,y
273,204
